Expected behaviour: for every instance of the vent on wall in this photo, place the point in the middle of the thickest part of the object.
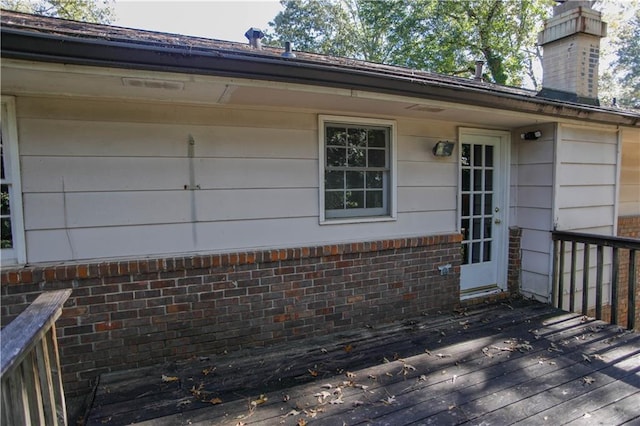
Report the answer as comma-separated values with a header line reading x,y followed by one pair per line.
x,y
153,84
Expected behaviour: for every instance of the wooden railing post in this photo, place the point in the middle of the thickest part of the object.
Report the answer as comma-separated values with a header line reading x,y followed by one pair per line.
x,y
600,241
32,392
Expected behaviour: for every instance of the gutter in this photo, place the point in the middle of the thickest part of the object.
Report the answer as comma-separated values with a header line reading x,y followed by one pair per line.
x,y
45,47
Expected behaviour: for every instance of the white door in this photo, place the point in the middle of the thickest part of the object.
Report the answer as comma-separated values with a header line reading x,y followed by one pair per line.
x,y
483,209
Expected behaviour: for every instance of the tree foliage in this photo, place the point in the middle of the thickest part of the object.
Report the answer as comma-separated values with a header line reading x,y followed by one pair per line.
x,y
440,36
628,62
97,11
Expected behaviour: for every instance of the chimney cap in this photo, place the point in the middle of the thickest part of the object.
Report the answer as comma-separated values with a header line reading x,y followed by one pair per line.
x,y
254,33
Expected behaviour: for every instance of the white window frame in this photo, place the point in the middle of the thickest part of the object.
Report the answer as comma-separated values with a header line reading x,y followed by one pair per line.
x,y
17,254
391,195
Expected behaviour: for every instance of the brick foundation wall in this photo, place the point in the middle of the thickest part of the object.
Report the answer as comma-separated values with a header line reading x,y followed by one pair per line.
x,y
628,226
127,314
515,260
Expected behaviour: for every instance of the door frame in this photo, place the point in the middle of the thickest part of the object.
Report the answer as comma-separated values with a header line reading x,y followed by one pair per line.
x,y
502,245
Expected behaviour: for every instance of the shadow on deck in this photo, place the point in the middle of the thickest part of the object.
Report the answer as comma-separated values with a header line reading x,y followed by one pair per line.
x,y
518,362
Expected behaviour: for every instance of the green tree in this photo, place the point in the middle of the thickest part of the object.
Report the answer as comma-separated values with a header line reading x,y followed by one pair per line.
x,y
97,11
627,65
440,36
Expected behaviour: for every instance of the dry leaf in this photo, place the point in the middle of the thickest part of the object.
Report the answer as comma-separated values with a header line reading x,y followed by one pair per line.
x,y
587,380
422,378
261,400
443,355
313,373
183,402
323,394
357,403
598,357
586,358
301,422
338,400
348,348
292,413
285,397
208,371
169,379
350,375
389,400
215,401
324,351
327,386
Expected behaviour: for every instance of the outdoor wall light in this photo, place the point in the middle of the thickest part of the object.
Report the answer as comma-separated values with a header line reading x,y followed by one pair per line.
x,y
531,136
443,149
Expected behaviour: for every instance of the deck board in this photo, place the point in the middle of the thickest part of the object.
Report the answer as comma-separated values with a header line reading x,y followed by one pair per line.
x,y
498,364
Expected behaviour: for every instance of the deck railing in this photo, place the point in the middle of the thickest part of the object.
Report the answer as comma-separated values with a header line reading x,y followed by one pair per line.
x,y
579,280
32,392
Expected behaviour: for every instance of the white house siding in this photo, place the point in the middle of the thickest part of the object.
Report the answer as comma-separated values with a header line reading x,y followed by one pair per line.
x,y
106,179
532,175
629,204
586,193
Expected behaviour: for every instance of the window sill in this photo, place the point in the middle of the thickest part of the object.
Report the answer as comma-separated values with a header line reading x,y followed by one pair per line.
x,y
352,220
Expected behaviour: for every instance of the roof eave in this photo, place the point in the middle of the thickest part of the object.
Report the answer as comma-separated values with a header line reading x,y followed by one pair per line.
x,y
29,45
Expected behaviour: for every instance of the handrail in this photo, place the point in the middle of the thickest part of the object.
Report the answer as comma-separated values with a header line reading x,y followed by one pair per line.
x,y
616,244
30,366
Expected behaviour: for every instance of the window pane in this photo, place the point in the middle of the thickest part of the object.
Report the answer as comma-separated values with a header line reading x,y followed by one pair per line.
x,y
465,154
488,200
476,229
357,158
466,180
377,158
336,157
477,180
487,228
465,254
477,204
465,204
355,199
488,158
334,200
7,238
477,155
357,137
374,199
488,180
465,229
377,138
336,136
374,180
5,210
355,180
487,251
334,179
475,253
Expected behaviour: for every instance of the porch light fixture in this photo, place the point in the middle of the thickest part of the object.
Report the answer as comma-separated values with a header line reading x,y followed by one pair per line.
x,y
443,149
531,136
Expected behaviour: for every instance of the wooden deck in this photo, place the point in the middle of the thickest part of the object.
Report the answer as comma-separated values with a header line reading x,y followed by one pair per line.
x,y
518,362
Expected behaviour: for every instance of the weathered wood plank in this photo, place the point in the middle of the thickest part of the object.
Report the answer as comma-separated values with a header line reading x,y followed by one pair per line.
x,y
22,334
620,412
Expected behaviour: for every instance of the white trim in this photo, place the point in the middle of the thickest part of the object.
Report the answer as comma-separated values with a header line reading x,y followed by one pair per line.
x,y
10,143
502,255
393,143
616,195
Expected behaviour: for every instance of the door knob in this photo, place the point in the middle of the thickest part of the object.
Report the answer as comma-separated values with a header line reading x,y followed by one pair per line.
x,y
497,221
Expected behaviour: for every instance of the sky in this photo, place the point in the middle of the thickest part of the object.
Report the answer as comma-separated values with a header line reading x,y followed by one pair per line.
x,y
219,19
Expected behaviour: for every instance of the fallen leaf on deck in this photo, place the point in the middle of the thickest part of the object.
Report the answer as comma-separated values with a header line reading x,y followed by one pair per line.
x,y
240,424
324,351
208,371
389,400
586,358
301,422
348,348
169,379
443,355
422,378
292,413
428,352
215,401
322,396
285,397
587,380
338,400
261,400
327,386
313,373
598,357
357,403
452,407
350,375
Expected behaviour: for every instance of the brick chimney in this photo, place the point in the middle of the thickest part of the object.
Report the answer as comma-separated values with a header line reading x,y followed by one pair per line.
x,y
571,42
